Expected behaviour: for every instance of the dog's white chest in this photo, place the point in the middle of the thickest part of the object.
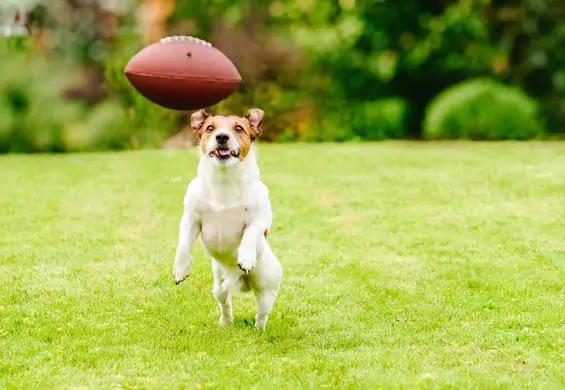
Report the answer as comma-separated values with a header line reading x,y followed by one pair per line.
x,y
222,231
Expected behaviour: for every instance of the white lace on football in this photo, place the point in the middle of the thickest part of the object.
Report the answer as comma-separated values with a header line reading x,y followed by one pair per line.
x,y
177,38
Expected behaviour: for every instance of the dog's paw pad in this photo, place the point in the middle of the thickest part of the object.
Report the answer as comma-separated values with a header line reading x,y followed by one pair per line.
x,y
181,273
246,259
245,268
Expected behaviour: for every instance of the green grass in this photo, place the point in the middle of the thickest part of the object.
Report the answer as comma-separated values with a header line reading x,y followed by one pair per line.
x,y
407,265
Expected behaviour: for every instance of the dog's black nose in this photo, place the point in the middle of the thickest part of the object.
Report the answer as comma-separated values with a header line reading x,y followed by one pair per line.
x,y
222,138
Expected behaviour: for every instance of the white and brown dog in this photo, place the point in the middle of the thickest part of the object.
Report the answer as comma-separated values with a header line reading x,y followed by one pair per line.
x,y
228,205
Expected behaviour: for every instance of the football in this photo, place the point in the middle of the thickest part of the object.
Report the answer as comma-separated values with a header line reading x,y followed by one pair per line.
x,y
183,73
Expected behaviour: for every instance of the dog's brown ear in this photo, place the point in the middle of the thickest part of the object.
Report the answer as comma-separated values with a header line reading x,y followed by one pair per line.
x,y
197,119
255,118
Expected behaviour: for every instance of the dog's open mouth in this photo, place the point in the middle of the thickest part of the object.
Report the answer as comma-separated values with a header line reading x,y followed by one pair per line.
x,y
223,153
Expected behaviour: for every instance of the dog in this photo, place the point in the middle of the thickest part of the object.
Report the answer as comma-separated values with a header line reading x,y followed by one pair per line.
x,y
229,207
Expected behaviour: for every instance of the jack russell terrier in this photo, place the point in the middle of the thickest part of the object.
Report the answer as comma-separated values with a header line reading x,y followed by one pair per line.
x,y
229,207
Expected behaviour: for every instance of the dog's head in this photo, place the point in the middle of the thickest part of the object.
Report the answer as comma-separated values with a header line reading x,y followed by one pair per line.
x,y
226,140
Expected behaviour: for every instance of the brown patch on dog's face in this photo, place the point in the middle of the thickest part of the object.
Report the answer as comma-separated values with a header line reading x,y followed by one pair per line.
x,y
241,130
197,121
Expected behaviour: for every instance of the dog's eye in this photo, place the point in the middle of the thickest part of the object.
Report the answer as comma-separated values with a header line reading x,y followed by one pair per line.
x,y
238,128
210,128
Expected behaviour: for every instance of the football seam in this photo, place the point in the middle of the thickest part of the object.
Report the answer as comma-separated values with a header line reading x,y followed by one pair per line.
x,y
184,77
182,38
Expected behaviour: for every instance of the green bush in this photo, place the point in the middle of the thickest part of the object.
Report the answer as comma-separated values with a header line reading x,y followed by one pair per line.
x,y
35,116
373,121
379,120
103,127
33,113
151,124
483,109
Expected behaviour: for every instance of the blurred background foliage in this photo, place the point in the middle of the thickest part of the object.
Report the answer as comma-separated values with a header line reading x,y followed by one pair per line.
x,y
323,70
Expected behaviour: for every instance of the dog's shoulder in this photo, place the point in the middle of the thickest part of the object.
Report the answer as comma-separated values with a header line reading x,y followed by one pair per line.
x,y
258,200
194,191
259,188
258,191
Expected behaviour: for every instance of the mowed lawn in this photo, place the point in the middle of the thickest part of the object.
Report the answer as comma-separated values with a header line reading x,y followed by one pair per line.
x,y
406,265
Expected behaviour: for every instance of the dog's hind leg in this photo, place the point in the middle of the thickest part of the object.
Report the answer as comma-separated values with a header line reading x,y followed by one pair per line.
x,y
265,302
222,295
265,282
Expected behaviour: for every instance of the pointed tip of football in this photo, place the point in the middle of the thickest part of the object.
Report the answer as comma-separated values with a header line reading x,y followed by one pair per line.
x,y
183,73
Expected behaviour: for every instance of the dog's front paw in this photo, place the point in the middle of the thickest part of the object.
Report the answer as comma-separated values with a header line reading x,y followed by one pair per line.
x,y
246,259
181,272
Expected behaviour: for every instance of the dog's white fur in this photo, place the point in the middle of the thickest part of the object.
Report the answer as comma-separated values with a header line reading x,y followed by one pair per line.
x,y
229,207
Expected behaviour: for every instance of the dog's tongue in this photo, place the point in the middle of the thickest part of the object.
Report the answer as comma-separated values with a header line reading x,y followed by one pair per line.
x,y
224,152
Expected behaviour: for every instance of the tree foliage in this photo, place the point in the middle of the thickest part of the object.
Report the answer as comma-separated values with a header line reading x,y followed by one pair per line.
x,y
357,51
325,69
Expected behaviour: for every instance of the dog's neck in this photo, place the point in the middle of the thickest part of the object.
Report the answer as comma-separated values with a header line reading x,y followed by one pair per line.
x,y
227,184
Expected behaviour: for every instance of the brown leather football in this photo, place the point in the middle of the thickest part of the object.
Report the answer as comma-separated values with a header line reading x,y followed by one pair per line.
x,y
183,73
